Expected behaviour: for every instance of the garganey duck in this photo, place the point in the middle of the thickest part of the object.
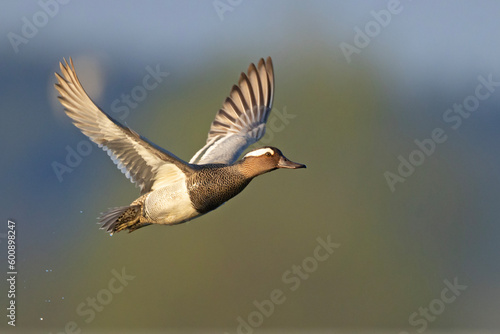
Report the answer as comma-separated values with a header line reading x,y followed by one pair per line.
x,y
174,191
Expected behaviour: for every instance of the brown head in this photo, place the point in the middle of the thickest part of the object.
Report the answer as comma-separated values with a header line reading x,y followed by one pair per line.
x,y
263,160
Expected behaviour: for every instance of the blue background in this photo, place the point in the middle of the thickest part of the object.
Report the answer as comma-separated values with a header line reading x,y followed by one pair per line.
x,y
352,118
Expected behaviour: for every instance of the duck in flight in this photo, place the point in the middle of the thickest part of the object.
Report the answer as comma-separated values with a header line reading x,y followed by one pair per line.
x,y
174,191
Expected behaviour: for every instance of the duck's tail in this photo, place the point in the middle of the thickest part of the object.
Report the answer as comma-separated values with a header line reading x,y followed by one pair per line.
x,y
121,218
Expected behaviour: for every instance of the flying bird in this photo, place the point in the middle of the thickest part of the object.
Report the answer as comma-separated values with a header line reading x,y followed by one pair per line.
x,y
174,191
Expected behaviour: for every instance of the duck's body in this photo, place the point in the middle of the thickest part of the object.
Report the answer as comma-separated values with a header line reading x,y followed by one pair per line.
x,y
174,191
203,191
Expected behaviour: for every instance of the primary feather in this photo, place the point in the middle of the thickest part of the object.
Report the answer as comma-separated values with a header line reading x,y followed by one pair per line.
x,y
242,119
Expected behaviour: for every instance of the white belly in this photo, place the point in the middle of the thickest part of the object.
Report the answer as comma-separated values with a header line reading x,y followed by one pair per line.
x,y
170,204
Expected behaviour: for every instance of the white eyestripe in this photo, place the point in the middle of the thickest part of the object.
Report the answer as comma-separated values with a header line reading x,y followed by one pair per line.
x,y
259,152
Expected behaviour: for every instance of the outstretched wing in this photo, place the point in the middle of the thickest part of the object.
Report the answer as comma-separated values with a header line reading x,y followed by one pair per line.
x,y
144,163
242,119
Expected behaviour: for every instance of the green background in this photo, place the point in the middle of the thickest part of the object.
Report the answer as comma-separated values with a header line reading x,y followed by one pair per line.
x,y
351,121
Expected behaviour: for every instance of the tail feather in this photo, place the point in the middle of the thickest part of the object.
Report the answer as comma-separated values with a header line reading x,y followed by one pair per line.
x,y
109,218
121,218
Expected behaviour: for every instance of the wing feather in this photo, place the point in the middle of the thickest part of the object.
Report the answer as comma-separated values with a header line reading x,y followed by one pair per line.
x,y
143,162
242,119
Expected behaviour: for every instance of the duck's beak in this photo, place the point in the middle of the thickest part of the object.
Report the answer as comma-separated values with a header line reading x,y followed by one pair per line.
x,y
285,163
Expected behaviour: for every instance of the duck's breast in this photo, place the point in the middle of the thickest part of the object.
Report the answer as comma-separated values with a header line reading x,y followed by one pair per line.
x,y
212,187
170,204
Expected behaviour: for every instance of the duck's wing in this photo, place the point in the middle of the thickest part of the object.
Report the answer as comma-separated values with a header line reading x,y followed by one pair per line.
x,y
143,162
242,119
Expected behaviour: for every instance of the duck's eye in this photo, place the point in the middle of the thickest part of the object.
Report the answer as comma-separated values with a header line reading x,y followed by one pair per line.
x,y
268,154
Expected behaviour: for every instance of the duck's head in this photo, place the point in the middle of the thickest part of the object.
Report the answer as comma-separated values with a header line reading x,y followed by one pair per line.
x,y
265,159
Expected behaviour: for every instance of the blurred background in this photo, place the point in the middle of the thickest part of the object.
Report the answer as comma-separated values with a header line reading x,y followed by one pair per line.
x,y
393,105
